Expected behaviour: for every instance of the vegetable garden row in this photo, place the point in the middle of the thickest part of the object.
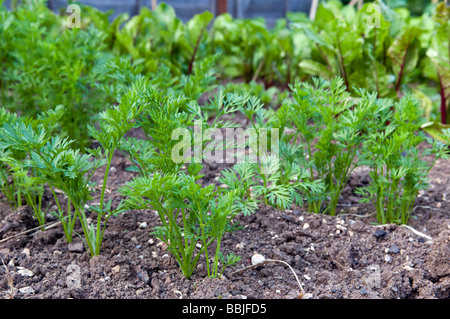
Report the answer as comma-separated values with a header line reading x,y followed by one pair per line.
x,y
350,88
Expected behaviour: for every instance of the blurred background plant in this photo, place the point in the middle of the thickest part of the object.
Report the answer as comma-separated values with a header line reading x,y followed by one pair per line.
x,y
45,64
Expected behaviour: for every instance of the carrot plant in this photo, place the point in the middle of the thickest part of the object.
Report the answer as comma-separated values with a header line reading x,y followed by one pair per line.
x,y
277,177
18,179
7,178
398,169
191,215
194,218
44,64
327,125
63,167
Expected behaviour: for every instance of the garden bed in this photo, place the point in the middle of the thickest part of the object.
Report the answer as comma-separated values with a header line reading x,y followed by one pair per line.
x,y
142,85
347,256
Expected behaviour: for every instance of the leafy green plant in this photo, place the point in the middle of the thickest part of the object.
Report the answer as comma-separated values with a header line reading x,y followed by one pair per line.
x,y
398,169
440,56
193,217
35,143
48,65
7,168
376,48
272,97
190,215
238,41
18,179
277,177
329,126
157,37
65,168
68,171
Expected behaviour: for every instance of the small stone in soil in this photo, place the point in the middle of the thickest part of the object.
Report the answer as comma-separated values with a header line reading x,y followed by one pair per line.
x,y
288,218
27,290
143,275
143,225
115,269
257,259
26,252
394,249
25,272
380,233
76,247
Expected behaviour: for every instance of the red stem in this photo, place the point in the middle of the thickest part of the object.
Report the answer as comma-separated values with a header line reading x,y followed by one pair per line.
x,y
400,74
443,104
191,64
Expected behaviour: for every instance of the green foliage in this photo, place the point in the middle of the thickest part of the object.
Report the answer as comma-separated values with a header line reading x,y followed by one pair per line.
x,y
158,37
329,125
271,97
152,73
275,175
398,169
190,214
54,161
379,52
18,136
238,40
439,54
45,64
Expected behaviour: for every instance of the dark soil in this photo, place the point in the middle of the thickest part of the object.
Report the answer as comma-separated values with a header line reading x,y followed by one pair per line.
x,y
347,256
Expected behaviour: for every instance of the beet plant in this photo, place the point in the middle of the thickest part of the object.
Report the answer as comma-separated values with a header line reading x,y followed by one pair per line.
x,y
439,54
157,37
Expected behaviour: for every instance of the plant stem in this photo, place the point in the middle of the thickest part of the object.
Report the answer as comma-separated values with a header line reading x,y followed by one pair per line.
x,y
67,231
86,228
341,59
216,258
105,177
443,100
99,231
191,63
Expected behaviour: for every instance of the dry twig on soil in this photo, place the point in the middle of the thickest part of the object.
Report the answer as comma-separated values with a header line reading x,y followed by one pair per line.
x,y
269,261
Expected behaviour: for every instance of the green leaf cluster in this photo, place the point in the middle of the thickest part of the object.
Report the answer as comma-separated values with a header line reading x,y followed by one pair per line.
x,y
44,64
398,167
194,217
